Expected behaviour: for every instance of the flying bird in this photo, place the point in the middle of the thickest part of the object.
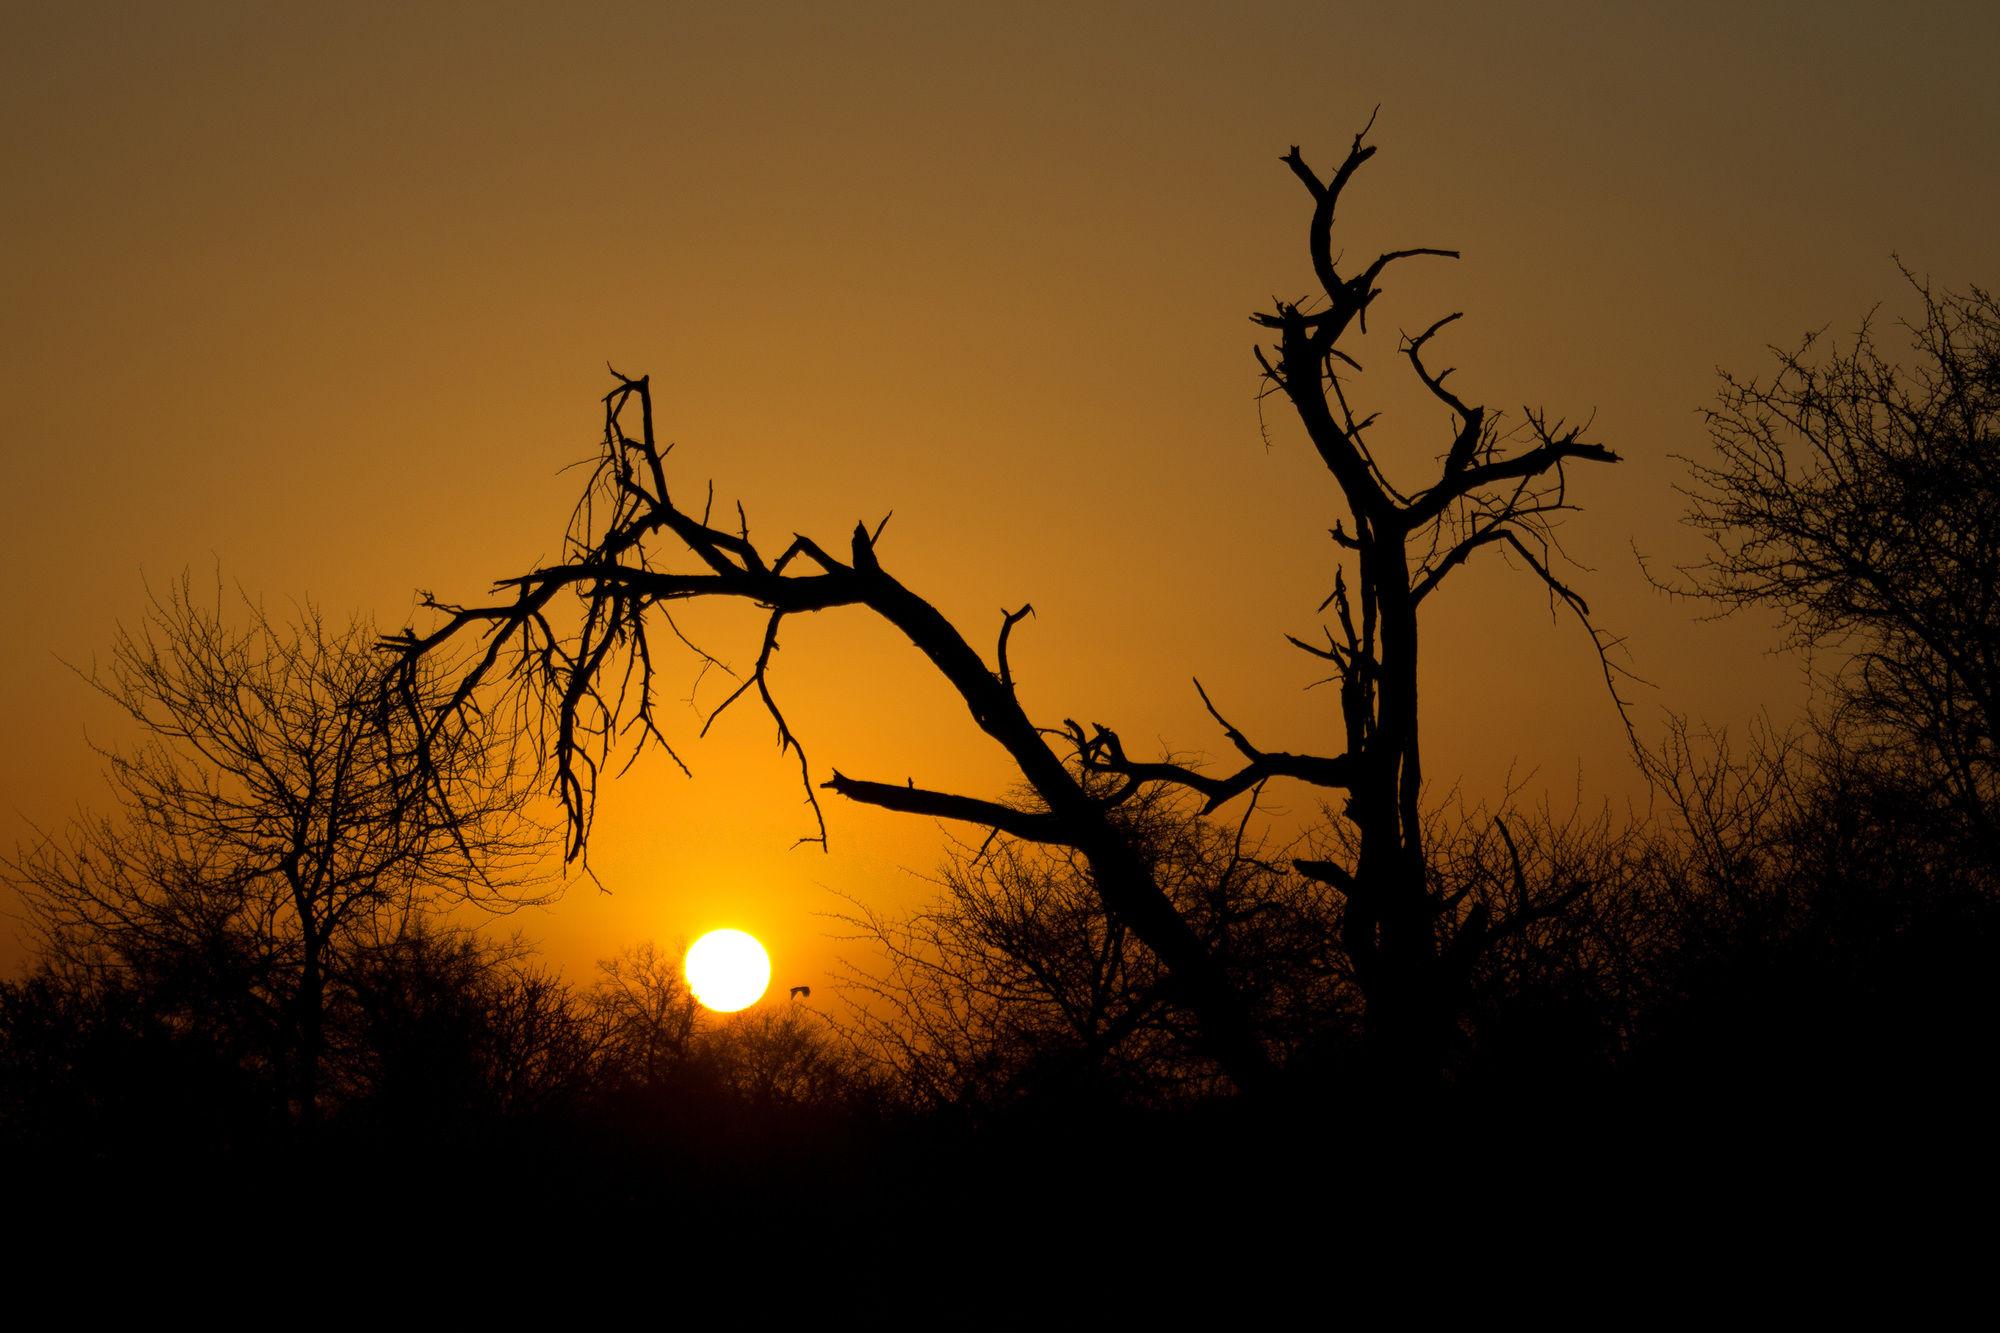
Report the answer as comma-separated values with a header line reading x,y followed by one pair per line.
x,y
802,992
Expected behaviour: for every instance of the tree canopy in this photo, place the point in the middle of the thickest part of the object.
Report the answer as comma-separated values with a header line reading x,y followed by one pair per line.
x,y
1859,496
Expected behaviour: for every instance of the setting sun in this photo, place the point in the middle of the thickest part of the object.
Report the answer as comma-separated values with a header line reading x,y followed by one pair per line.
x,y
728,970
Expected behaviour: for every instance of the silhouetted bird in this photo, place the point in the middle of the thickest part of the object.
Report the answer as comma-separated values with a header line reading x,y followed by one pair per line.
x,y
802,992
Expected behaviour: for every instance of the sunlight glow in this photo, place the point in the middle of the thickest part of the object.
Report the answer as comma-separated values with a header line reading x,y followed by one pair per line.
x,y
728,970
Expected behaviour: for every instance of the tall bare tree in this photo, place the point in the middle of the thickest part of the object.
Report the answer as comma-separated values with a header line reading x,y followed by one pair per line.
x,y
261,838
1411,945
633,551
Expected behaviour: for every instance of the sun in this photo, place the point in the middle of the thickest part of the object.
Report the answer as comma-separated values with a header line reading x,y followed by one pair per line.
x,y
728,970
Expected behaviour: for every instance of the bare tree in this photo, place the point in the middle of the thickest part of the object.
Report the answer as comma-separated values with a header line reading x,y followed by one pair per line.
x,y
1014,982
261,841
633,552
645,1015
1860,498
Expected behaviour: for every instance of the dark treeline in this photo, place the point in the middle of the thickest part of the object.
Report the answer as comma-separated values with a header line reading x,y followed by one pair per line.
x,y
1795,957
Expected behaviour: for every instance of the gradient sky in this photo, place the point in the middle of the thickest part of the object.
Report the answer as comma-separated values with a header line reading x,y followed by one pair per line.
x,y
323,297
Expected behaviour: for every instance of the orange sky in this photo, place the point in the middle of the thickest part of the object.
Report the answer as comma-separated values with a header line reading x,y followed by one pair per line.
x,y
325,299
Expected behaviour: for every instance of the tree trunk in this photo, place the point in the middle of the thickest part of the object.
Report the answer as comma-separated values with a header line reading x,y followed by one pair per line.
x,y
311,1004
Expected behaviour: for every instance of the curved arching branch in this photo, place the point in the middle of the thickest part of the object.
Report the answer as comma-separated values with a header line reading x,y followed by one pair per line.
x,y
577,684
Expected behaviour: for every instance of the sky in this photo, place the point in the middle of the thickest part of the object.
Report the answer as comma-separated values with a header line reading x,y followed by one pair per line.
x,y
320,299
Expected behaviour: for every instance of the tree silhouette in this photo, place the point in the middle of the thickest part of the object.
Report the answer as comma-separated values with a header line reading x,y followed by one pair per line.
x,y
262,841
1013,984
645,1015
633,551
1861,499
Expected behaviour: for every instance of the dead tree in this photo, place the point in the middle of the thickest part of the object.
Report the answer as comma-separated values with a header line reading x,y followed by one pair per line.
x,y
1411,948
578,640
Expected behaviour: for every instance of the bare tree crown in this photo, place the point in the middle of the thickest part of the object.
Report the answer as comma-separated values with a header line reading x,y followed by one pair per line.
x,y
1859,497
